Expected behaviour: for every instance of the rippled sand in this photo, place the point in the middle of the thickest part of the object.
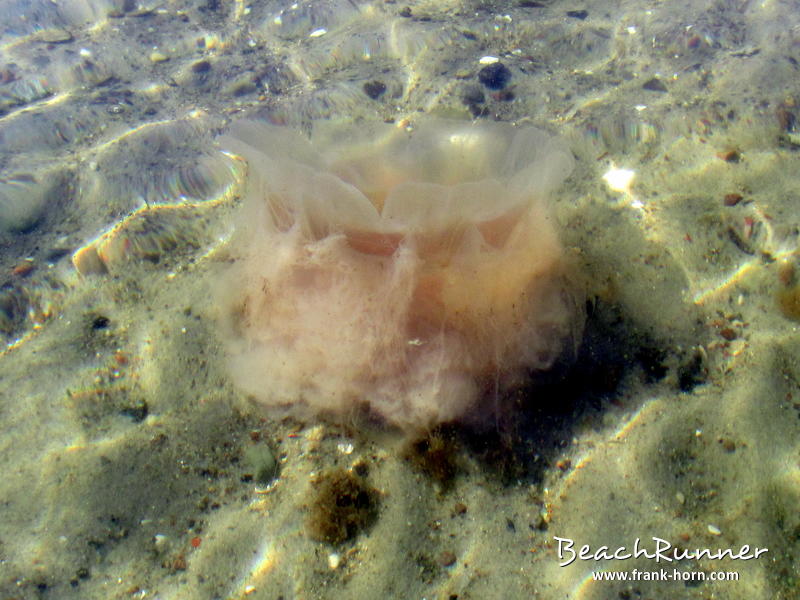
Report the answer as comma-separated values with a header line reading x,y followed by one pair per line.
x,y
135,469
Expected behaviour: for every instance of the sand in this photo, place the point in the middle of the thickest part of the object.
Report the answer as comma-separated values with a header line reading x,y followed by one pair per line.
x,y
135,468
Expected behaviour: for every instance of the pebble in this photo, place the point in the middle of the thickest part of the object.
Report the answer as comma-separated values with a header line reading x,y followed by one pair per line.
x,y
202,66
260,462
159,541
731,156
732,199
53,36
495,76
158,57
789,302
654,85
374,89
578,14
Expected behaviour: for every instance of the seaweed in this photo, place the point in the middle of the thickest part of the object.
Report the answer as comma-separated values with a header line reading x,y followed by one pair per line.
x,y
344,506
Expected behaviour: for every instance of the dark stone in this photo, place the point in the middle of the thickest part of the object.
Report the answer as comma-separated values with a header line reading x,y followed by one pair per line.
x,y
374,89
138,411
100,322
202,66
578,14
495,76
654,85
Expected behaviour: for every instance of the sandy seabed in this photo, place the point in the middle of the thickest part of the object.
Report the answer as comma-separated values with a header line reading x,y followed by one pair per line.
x,y
134,468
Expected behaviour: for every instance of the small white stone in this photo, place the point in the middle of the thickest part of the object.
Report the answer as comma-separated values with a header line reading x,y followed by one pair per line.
x,y
334,560
619,180
488,60
714,530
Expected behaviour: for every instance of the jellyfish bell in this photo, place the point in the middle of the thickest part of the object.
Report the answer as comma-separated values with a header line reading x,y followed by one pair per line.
x,y
395,270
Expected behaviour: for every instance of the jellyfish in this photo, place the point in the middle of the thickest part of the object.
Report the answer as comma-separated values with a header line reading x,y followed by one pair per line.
x,y
408,273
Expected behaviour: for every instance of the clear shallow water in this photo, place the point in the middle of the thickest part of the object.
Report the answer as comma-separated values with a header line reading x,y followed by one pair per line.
x,y
124,438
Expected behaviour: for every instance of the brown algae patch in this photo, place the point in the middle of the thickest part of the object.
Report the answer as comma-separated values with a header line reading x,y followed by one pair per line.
x,y
343,506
